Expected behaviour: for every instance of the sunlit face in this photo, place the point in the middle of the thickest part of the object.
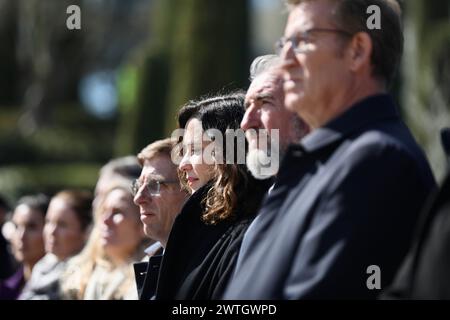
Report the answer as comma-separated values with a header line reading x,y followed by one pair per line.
x,y
120,227
27,239
265,112
313,78
63,233
193,164
158,212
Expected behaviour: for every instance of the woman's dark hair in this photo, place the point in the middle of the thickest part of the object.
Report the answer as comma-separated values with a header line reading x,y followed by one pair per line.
x,y
232,184
80,201
221,112
38,202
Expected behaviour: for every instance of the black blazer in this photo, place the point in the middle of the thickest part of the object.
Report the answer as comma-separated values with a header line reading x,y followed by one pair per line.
x,y
146,275
346,197
199,258
425,270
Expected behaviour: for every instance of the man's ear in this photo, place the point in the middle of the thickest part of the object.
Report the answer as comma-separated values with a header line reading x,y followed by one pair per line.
x,y
360,51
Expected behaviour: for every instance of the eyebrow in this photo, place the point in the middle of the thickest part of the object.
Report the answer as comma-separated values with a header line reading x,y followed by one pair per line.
x,y
152,177
258,97
261,96
195,144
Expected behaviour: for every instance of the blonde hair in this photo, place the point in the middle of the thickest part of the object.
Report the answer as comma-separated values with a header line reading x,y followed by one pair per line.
x,y
80,268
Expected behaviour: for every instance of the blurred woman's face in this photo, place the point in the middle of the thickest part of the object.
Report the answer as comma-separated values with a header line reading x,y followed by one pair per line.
x,y
63,233
120,226
27,239
197,172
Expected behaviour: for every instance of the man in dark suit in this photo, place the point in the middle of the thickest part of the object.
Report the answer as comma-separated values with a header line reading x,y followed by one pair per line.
x,y
425,271
158,194
340,217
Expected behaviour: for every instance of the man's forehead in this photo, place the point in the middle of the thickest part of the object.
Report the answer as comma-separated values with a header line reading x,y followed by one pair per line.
x,y
264,82
309,14
159,166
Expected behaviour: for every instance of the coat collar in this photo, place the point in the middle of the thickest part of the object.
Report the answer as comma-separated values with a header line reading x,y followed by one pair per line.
x,y
362,114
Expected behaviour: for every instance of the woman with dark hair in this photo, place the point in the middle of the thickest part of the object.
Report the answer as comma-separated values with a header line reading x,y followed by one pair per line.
x,y
205,239
67,226
27,242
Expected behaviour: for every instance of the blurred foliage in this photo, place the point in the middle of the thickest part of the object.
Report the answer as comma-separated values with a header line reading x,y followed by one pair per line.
x,y
165,52
425,78
17,180
71,135
48,141
198,47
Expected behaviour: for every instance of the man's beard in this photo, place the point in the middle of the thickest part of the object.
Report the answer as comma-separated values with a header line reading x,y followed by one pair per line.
x,y
264,161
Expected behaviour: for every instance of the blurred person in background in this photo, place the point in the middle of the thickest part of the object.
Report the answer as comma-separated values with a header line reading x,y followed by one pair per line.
x,y
126,167
27,242
103,270
6,263
66,229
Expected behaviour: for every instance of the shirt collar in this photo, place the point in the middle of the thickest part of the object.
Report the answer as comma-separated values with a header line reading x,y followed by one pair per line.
x,y
362,114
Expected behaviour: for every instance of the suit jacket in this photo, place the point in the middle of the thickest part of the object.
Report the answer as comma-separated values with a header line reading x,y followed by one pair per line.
x,y
146,273
199,258
425,271
347,197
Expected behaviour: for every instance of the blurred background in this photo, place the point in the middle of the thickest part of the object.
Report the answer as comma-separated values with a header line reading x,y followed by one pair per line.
x,y
70,100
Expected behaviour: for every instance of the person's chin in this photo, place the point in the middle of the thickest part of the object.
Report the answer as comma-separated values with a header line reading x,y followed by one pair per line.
x,y
147,218
151,232
51,248
58,254
106,241
255,160
147,231
292,102
195,185
20,256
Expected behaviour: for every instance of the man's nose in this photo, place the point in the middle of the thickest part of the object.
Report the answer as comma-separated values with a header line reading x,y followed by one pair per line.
x,y
287,52
141,196
250,119
288,58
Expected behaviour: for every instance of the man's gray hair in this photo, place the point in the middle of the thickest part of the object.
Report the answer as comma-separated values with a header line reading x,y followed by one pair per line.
x,y
263,63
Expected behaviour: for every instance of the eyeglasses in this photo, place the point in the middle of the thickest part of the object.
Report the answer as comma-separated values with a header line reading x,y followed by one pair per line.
x,y
301,40
152,187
